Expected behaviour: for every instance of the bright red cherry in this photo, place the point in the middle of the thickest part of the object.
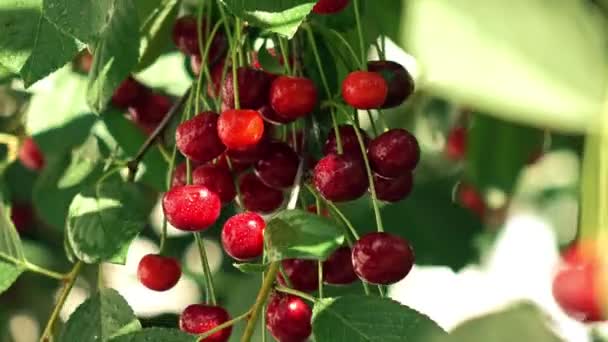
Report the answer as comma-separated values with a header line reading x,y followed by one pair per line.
x,y
399,81
393,153
348,137
198,138
128,93
254,87
340,178
278,168
158,273
456,144
256,196
191,207
240,129
22,215
150,110
293,97
200,318
243,236
470,198
393,189
288,318
303,274
382,258
217,179
30,155
338,268
330,6
364,90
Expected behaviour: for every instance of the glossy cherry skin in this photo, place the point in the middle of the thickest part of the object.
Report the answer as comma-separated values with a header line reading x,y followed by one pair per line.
x,y
256,196
179,175
250,155
254,87
158,273
471,199
350,144
191,207
272,117
288,318
393,153
200,318
198,139
128,93
243,236
340,178
293,97
393,189
399,81
382,258
217,179
150,110
364,90
278,168
30,155
330,6
456,144
303,274
240,129
338,268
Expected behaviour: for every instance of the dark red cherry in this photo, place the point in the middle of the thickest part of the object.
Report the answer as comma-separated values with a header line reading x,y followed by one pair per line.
x,y
278,168
185,37
150,110
191,207
313,209
393,189
393,153
240,129
128,93
217,179
350,144
22,215
158,273
200,318
456,144
340,178
256,196
293,97
198,138
471,199
303,274
382,258
243,236
30,155
235,166
338,268
288,318
399,81
364,90
272,117
214,87
250,155
330,6
254,87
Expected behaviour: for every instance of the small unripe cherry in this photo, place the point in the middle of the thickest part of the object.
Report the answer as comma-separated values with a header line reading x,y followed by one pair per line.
x,y
393,153
198,139
243,236
364,90
158,273
191,207
382,258
330,6
338,268
240,129
303,274
288,318
293,97
30,155
340,178
256,196
200,318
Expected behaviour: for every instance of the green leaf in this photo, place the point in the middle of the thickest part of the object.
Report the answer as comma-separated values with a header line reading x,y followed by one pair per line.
x,y
105,217
84,20
300,234
278,16
29,44
366,318
508,68
155,335
100,318
116,54
12,257
250,268
155,30
269,62
9,273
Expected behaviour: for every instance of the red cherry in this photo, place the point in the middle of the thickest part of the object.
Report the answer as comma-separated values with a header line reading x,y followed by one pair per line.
x,y
243,236
303,274
469,198
179,175
22,215
214,87
150,110
217,179
255,62
158,273
85,61
237,166
197,138
338,268
330,6
400,83
288,318
393,153
128,93
340,178
185,37
348,137
272,117
393,189
200,318
278,168
191,207
250,155
456,144
30,155
313,209
256,196
254,86
364,90
382,258
293,97
240,129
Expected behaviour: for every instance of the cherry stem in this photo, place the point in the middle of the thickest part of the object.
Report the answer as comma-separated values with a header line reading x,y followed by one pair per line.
x,y
235,80
285,55
383,120
361,63
69,283
222,326
372,122
133,164
296,293
360,34
205,54
320,269
45,272
206,269
260,300
337,212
